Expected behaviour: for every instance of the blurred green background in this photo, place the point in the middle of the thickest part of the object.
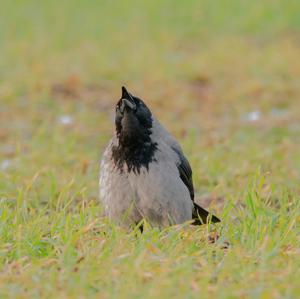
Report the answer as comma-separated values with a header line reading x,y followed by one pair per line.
x,y
222,76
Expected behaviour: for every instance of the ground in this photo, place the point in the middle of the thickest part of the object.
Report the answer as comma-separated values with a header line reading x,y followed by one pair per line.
x,y
222,76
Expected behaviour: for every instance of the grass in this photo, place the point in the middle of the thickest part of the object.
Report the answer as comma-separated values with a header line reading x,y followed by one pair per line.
x,y
224,79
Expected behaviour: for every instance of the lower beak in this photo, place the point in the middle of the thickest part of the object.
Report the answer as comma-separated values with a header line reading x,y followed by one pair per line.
x,y
129,104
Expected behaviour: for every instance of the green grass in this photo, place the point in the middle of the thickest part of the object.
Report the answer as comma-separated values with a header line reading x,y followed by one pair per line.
x,y
202,66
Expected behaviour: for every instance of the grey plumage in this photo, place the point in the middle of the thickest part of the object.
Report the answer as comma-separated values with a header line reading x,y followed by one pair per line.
x,y
144,173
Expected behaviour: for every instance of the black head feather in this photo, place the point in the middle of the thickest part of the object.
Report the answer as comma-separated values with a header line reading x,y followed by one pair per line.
x,y
133,129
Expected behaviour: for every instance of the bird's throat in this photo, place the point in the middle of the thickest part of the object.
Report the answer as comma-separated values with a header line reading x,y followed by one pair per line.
x,y
133,152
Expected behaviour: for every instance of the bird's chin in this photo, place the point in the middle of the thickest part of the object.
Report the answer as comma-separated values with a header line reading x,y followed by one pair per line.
x,y
130,124
132,137
131,132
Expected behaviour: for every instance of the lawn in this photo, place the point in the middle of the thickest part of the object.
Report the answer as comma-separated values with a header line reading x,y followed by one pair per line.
x,y
222,76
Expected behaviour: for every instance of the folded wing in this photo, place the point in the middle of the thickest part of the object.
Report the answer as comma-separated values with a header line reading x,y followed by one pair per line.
x,y
200,215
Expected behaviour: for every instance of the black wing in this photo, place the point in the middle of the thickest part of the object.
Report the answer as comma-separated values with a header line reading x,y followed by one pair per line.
x,y
200,215
185,172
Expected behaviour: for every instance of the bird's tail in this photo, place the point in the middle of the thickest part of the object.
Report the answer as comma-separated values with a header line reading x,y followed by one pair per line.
x,y
201,216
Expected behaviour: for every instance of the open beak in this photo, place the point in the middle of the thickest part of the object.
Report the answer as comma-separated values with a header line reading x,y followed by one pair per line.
x,y
127,100
129,104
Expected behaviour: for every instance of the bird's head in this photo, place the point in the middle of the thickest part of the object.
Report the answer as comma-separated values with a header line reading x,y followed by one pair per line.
x,y
133,119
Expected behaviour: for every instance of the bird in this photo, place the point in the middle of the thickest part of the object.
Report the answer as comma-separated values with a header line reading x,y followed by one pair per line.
x,y
144,174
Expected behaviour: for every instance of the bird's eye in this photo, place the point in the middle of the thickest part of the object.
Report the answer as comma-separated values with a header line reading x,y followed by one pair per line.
x,y
119,111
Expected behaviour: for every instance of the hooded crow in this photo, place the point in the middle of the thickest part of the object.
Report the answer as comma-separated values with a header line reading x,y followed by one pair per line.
x,y
144,173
